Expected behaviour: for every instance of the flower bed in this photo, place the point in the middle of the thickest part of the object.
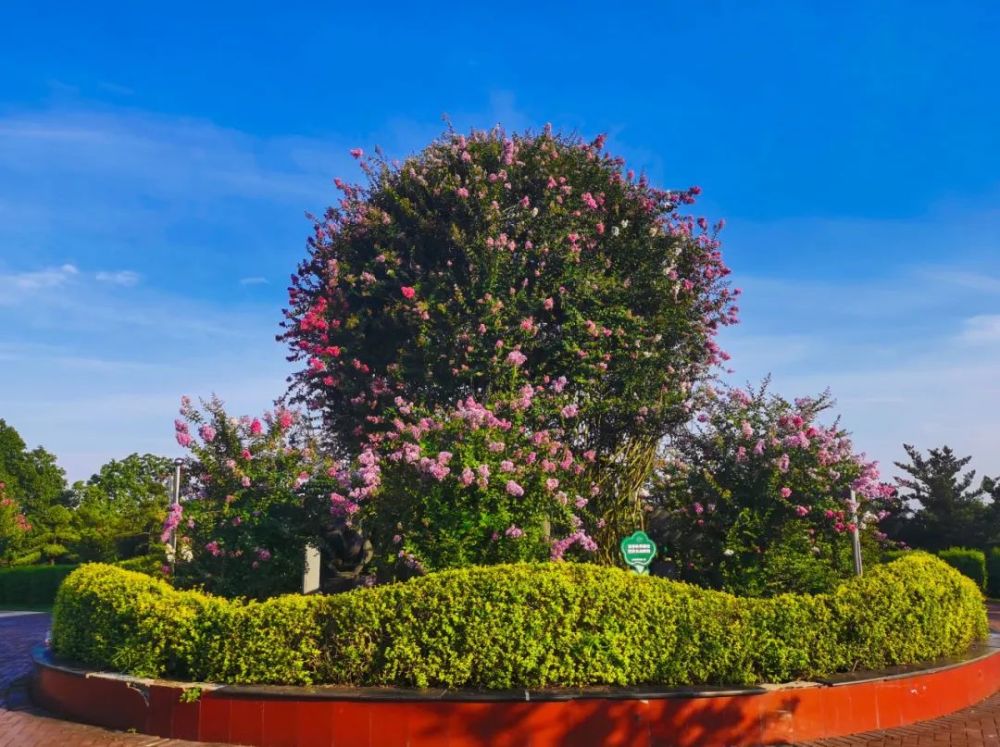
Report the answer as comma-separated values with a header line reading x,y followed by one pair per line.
x,y
519,626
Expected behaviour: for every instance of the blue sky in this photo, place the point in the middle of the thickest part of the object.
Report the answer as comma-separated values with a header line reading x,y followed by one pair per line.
x,y
156,162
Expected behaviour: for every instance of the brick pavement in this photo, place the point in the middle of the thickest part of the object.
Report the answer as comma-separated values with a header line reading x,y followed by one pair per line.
x,y
23,725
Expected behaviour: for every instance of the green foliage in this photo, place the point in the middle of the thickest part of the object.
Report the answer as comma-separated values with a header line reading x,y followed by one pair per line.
x,y
523,625
120,510
31,586
890,555
151,565
971,563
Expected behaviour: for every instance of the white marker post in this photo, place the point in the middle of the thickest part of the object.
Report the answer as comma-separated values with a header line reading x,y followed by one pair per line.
x,y
856,535
310,576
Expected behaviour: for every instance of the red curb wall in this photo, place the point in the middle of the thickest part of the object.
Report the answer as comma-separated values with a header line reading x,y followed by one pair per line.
x,y
773,716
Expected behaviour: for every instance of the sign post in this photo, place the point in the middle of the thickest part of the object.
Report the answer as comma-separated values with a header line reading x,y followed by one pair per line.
x,y
638,551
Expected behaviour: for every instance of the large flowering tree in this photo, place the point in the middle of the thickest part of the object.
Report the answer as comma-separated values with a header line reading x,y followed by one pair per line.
x,y
755,496
424,285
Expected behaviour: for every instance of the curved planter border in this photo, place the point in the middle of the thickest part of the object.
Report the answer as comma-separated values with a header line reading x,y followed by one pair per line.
x,y
643,717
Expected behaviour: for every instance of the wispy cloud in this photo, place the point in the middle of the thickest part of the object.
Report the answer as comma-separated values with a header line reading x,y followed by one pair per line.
x,y
127,278
256,280
981,329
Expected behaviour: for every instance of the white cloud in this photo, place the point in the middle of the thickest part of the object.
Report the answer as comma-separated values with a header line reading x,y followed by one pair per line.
x,y
127,278
15,287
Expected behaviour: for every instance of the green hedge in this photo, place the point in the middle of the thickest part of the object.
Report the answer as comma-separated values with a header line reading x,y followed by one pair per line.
x,y
969,562
31,585
993,573
519,626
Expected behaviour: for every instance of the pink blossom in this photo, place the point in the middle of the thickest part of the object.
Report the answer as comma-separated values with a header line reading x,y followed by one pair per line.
x,y
184,439
407,291
468,476
514,489
357,152
255,427
245,482
516,357
547,304
506,466
801,510
786,492
551,484
514,532
570,411
207,433
462,192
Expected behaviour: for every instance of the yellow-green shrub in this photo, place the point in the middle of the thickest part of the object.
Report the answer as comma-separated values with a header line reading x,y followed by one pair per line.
x,y
520,626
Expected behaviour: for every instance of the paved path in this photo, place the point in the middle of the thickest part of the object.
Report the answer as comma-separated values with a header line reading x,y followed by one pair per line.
x,y
23,725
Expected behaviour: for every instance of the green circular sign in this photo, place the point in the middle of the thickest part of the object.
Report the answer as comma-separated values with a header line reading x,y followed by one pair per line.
x,y
638,551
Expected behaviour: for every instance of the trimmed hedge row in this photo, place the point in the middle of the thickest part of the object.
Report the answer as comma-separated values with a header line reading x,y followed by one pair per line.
x,y
519,626
993,573
31,585
968,562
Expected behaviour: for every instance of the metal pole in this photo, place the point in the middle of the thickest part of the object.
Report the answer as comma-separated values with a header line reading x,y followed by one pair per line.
x,y
856,536
174,500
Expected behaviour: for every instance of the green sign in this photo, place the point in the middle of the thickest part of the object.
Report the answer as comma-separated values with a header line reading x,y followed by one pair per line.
x,y
638,550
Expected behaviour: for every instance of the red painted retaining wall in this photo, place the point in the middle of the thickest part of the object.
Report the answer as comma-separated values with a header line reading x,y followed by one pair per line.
x,y
335,717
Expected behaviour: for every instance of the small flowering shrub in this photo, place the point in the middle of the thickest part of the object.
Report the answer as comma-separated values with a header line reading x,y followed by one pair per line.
x,y
519,626
243,521
754,498
13,525
534,250
471,485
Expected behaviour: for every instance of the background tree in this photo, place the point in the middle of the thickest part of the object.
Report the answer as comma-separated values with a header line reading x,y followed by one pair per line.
x,y
120,510
33,477
13,526
421,287
942,508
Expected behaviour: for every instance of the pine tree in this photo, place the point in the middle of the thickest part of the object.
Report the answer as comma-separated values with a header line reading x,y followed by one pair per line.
x,y
945,509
